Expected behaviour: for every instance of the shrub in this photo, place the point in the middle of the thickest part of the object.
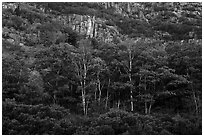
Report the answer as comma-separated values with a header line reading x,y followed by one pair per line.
x,y
165,132
119,120
17,22
35,119
185,127
115,113
105,130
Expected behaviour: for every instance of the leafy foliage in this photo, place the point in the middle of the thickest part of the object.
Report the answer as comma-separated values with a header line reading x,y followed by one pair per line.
x,y
58,80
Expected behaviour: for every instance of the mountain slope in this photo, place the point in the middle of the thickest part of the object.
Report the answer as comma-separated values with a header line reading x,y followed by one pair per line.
x,y
171,21
101,68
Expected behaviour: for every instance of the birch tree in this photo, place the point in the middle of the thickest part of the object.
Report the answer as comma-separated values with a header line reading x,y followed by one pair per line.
x,y
127,53
82,61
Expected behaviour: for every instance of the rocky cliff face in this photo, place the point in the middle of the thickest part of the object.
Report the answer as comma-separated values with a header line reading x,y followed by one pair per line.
x,y
96,27
89,26
109,21
127,9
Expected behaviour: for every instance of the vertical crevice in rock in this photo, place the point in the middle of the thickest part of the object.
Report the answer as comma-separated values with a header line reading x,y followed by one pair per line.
x,y
89,25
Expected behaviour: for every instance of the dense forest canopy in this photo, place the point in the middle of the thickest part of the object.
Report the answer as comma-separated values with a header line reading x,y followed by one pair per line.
x,y
102,68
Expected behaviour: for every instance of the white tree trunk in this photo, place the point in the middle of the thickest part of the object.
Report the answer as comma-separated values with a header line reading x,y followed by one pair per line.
x,y
196,104
130,79
150,105
118,103
84,102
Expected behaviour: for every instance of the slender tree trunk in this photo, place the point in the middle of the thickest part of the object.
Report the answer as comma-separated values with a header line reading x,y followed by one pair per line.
x,y
146,110
194,99
151,101
84,91
150,105
99,88
54,96
194,96
131,96
145,85
87,104
84,82
83,99
146,107
54,99
106,105
118,103
84,103
196,104
130,78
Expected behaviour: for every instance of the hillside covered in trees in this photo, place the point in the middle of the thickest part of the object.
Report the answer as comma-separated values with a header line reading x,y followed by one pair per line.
x,y
101,68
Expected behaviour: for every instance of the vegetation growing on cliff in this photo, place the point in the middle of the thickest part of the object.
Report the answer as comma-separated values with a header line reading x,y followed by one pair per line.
x,y
101,68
